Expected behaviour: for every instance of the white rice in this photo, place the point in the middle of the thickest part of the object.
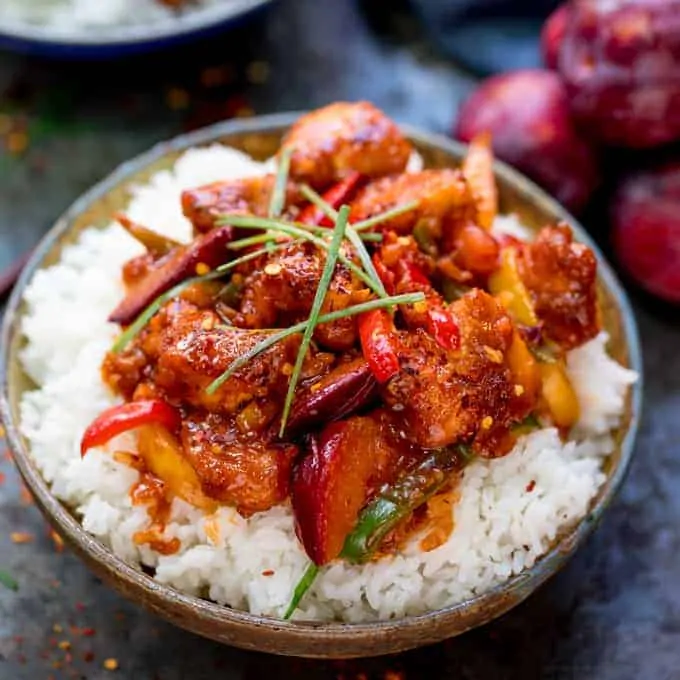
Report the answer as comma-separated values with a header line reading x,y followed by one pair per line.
x,y
501,527
76,16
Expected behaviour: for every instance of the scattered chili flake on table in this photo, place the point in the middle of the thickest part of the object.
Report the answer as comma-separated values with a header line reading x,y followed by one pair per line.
x,y
25,495
393,675
57,540
177,98
268,572
530,486
65,645
16,142
88,632
217,76
111,664
21,537
2,477
257,72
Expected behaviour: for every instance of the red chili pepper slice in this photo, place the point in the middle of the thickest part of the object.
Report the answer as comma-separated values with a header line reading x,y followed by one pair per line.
x,y
385,275
414,275
440,323
124,417
442,326
336,196
376,331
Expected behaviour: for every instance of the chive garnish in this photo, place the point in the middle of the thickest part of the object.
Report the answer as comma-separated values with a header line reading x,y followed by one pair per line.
x,y
246,222
319,297
384,217
251,241
303,585
405,299
138,324
352,235
278,198
10,582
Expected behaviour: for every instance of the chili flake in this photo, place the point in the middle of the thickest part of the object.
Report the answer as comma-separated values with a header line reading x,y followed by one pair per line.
x,y
111,664
21,537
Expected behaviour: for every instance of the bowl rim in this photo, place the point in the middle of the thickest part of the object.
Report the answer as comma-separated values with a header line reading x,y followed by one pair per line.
x,y
525,583
130,35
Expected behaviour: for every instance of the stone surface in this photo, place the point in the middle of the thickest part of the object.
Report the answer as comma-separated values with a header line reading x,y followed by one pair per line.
x,y
614,611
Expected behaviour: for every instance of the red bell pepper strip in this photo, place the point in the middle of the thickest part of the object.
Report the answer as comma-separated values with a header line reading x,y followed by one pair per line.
x,y
336,196
376,332
124,417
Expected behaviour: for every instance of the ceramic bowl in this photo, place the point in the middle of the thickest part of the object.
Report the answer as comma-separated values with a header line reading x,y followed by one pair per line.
x,y
118,41
260,138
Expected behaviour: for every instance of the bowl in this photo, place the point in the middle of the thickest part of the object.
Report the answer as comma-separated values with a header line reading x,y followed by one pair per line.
x,y
119,41
260,137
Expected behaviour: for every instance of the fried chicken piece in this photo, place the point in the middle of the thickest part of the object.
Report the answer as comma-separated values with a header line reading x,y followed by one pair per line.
x,y
464,394
249,473
282,291
333,141
249,196
561,277
444,203
183,349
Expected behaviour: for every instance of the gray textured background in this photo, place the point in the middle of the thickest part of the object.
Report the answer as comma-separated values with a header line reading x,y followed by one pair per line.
x,y
612,614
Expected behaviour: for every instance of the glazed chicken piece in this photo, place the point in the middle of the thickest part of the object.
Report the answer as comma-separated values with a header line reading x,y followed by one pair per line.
x,y
204,205
184,349
331,142
247,472
467,394
444,202
281,290
561,277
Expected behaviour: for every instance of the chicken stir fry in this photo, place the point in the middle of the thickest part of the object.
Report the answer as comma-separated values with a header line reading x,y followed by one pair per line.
x,y
352,352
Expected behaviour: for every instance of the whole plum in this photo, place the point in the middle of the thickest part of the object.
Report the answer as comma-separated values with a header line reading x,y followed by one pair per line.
x,y
527,114
553,33
646,229
620,60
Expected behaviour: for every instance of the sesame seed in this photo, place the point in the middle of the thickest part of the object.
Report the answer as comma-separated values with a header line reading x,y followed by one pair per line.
x,y
487,422
272,269
519,390
494,355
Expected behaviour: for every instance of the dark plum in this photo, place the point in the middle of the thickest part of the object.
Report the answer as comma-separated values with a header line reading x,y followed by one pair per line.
x,y
646,222
620,61
527,114
552,35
